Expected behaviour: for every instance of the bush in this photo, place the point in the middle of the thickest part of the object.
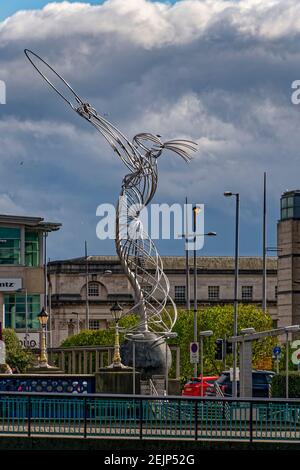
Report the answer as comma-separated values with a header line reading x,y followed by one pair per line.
x,y
279,383
15,355
100,337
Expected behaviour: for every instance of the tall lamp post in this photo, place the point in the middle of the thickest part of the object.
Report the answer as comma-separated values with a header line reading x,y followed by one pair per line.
x,y
236,280
116,311
43,319
196,211
202,335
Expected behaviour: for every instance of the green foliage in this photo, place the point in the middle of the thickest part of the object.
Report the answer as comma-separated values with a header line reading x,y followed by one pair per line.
x,y
100,337
219,319
15,355
279,384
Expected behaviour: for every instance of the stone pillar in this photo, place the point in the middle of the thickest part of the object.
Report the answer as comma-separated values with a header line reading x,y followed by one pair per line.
x,y
117,381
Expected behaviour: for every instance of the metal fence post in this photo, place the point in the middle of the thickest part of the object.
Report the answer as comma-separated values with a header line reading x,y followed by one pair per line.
x,y
196,420
85,417
141,419
29,416
251,422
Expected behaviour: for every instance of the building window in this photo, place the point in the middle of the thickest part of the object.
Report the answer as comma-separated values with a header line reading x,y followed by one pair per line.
x,y
213,292
290,206
94,324
93,289
247,292
15,311
179,293
276,292
10,246
32,248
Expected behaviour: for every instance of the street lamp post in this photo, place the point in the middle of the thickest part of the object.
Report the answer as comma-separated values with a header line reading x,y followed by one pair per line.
x,y
186,235
236,278
196,210
43,319
116,311
202,335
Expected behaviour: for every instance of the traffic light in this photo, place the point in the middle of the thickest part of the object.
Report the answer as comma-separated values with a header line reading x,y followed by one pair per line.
x,y
228,348
219,350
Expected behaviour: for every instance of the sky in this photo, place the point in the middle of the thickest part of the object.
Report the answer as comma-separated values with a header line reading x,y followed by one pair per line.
x,y
214,71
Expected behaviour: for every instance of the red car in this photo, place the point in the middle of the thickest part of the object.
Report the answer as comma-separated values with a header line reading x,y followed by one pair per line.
x,y
193,387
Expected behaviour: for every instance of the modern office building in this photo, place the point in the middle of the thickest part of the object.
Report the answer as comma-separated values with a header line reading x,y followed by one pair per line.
x,y
288,241
22,274
107,283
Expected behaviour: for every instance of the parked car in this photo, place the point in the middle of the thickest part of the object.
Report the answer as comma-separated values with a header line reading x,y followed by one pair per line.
x,y
261,380
193,386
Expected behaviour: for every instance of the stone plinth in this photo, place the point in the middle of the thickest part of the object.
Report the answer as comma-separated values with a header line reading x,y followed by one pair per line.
x,y
44,370
117,380
151,356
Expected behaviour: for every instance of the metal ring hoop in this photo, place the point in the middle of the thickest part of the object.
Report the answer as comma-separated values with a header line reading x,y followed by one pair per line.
x,y
28,52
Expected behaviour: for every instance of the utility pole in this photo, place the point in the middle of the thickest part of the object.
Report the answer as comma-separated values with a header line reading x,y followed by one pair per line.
x,y
187,267
195,211
264,286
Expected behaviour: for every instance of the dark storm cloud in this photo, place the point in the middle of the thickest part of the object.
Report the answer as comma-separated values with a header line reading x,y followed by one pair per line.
x,y
214,71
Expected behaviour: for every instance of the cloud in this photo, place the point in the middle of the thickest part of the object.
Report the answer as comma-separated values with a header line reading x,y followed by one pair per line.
x,y
218,72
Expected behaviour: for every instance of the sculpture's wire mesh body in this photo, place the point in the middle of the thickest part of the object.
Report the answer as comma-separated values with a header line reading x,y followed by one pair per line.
x,y
139,258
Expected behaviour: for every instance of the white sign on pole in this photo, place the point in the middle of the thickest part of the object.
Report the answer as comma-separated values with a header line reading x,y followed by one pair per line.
x,y
10,285
194,353
237,375
2,352
29,340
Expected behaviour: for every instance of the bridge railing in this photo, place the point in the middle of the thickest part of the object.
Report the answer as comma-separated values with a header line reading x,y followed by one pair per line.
x,y
144,417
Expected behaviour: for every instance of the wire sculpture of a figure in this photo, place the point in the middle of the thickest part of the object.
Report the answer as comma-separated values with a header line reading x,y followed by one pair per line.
x,y
138,256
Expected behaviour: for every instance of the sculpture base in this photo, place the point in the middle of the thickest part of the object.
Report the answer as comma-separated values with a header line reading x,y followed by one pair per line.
x,y
44,369
152,357
117,380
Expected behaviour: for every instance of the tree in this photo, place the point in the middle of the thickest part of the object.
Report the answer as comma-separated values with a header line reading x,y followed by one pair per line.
x,y
15,355
219,319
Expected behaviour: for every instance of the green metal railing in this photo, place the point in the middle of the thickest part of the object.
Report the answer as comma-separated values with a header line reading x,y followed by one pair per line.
x,y
145,417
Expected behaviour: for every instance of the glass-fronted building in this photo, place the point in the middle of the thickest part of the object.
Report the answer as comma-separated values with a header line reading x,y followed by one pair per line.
x,y
22,273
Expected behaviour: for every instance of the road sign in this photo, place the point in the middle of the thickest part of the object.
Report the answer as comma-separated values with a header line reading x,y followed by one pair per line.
x,y
194,353
277,351
2,352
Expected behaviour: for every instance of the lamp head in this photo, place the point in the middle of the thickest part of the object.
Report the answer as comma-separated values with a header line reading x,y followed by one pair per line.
x,y
228,193
43,316
116,311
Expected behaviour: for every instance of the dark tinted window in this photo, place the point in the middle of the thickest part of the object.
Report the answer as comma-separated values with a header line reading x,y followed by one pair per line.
x,y
259,379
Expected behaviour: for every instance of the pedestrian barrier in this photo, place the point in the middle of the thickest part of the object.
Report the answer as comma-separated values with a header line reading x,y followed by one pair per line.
x,y
145,417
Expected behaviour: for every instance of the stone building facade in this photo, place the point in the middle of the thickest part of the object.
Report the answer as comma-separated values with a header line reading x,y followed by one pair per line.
x,y
288,236
107,284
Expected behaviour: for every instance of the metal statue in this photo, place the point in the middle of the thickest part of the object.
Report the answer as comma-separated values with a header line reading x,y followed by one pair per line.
x,y
139,258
